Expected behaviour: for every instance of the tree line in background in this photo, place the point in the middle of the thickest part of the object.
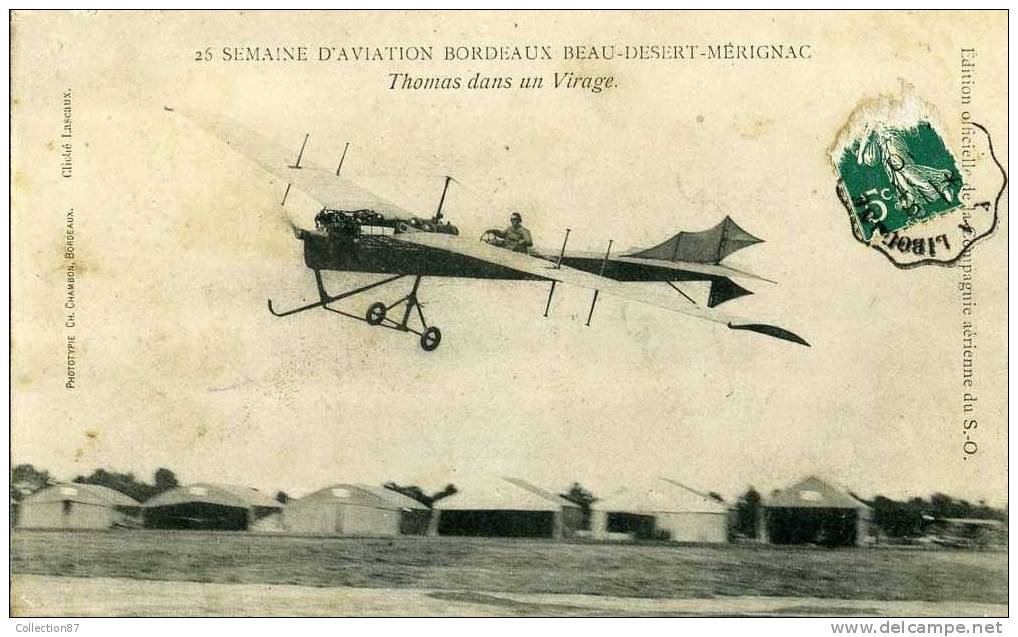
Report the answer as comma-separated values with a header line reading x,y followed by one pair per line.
x,y
417,493
895,518
26,480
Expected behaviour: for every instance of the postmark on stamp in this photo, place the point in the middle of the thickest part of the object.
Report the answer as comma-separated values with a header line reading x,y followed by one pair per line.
x,y
907,194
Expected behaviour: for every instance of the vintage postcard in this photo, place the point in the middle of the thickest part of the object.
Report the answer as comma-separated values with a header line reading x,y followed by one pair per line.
x,y
407,313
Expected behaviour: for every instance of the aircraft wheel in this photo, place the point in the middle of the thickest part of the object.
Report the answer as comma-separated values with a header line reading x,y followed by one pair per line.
x,y
376,314
431,338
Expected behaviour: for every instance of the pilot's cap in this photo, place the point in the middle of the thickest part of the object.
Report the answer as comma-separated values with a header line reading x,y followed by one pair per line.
x,y
516,216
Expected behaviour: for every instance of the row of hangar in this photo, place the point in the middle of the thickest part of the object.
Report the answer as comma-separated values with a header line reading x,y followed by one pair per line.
x,y
809,511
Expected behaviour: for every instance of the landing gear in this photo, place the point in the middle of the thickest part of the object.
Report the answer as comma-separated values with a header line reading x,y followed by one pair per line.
x,y
431,338
378,313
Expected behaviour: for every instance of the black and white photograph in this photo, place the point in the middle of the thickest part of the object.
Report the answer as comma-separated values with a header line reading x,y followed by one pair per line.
x,y
517,313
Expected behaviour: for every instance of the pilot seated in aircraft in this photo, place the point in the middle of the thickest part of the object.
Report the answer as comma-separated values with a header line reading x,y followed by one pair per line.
x,y
516,237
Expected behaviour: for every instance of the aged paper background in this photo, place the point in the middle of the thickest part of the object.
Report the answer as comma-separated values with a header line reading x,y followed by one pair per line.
x,y
179,241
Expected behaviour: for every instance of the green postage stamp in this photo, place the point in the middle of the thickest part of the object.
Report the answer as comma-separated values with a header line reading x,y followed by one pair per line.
x,y
907,195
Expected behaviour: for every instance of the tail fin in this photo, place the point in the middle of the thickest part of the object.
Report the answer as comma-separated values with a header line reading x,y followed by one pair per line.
x,y
708,246
724,289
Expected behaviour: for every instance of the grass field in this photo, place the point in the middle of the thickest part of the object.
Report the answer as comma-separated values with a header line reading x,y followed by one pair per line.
x,y
517,566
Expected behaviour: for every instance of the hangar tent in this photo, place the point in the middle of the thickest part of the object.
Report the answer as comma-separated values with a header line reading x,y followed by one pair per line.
x,y
506,507
78,506
967,532
664,509
206,506
356,509
814,511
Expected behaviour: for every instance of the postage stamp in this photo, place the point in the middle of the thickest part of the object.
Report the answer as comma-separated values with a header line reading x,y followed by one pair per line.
x,y
907,194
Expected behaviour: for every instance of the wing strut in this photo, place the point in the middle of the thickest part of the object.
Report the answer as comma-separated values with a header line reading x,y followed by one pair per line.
x,y
563,252
679,290
558,266
604,263
341,158
297,165
550,292
592,304
445,189
301,153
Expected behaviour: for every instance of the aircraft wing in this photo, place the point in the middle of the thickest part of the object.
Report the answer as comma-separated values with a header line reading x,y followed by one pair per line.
x,y
323,185
709,269
545,269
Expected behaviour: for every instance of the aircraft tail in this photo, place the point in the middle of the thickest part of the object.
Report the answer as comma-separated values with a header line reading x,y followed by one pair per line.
x,y
707,246
724,289
770,330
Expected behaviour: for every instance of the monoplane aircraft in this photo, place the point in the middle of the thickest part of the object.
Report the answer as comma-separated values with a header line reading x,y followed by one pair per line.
x,y
358,231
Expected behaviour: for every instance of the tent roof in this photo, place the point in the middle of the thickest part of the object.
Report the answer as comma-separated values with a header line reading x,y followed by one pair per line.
x,y
971,521
662,496
83,493
814,493
503,494
210,493
364,495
